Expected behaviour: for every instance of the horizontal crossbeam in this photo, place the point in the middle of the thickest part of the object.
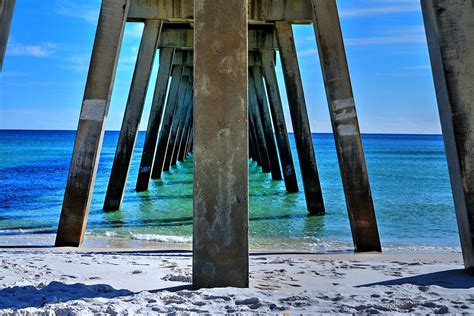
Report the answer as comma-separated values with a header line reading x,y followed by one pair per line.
x,y
295,11
181,36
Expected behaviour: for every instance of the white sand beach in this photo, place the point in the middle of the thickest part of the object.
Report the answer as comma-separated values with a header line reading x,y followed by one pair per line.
x,y
137,281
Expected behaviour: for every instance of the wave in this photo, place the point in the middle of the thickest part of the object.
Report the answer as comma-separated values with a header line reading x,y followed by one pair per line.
x,y
147,237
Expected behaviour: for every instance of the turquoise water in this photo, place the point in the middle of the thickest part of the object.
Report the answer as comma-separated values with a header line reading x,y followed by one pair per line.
x,y
408,174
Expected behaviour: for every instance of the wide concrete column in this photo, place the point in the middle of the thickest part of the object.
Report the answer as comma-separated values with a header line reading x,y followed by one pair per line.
x,y
6,17
258,128
154,121
299,118
256,77
90,131
220,243
167,121
345,124
279,123
132,116
180,106
450,32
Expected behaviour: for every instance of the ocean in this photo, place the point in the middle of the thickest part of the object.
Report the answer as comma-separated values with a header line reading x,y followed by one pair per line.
x,y
408,176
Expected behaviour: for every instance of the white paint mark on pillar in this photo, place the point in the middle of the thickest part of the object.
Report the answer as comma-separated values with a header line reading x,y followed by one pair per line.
x,y
346,130
338,105
93,110
345,115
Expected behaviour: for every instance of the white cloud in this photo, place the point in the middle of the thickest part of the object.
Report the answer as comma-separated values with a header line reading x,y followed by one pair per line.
x,y
365,8
423,67
78,63
87,10
404,35
40,50
134,30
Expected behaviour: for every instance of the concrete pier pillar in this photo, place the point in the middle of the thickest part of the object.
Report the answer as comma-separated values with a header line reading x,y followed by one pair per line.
x,y
450,32
251,149
132,116
258,127
184,129
154,122
253,137
167,121
345,124
299,118
183,91
189,140
220,243
6,17
256,74
90,131
279,123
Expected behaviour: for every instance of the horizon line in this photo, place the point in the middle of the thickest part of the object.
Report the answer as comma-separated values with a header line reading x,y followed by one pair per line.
x,y
143,131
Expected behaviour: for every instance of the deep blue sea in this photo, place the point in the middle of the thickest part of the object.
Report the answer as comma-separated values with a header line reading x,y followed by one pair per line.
x,y
408,174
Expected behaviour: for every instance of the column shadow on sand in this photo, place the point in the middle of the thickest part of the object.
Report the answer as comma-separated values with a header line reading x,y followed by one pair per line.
x,y
449,279
29,296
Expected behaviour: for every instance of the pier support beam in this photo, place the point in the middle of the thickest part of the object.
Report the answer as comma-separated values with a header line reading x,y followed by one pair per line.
x,y
183,123
90,131
299,118
450,32
186,127
345,125
253,137
167,121
258,128
6,17
256,77
177,116
132,116
279,123
220,243
154,122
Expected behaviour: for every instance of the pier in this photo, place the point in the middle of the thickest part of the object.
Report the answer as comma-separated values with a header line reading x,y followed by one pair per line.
x,y
217,96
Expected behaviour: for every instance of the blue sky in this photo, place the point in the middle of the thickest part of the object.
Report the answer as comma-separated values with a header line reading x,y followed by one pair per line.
x,y
47,59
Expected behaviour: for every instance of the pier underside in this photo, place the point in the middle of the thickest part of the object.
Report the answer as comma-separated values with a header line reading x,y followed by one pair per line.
x,y
217,96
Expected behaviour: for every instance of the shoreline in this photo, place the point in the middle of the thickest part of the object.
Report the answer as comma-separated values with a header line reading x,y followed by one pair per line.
x,y
93,241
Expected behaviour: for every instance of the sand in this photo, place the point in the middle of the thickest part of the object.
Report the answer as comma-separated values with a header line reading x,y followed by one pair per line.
x,y
117,281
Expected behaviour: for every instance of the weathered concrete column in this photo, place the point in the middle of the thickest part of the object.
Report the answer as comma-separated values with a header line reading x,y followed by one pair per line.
x,y
450,32
132,116
258,127
90,132
279,123
220,243
183,90
299,118
186,128
167,121
6,17
154,122
184,121
257,79
253,136
189,139
345,124
251,149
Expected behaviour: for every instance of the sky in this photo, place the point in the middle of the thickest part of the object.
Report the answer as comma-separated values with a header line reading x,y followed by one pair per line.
x,y
48,54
